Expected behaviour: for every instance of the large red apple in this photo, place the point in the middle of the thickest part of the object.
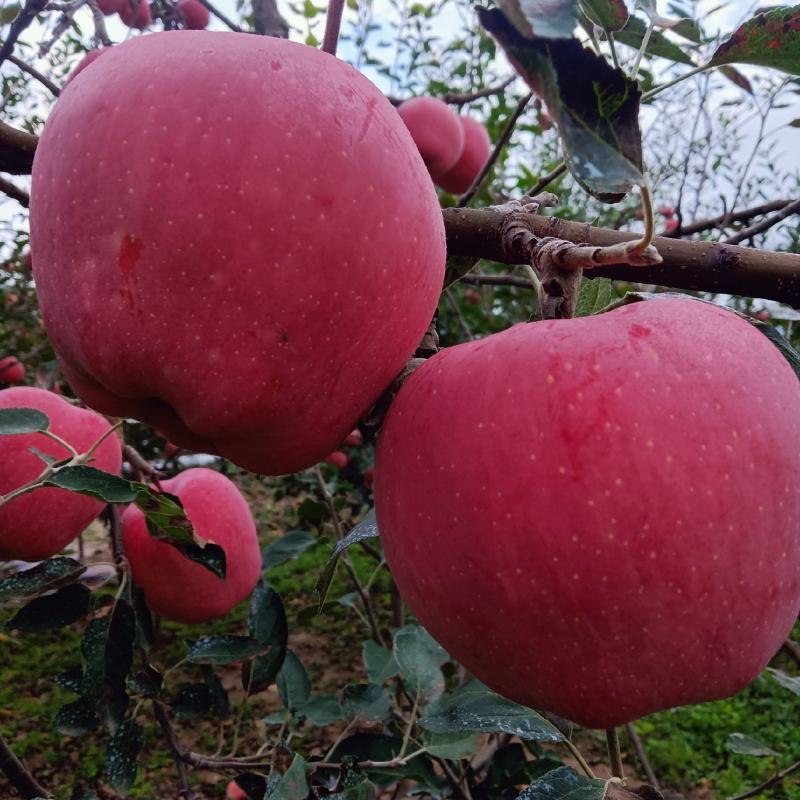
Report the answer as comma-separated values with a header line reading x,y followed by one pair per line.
x,y
476,152
247,269
180,589
42,523
600,517
436,131
11,370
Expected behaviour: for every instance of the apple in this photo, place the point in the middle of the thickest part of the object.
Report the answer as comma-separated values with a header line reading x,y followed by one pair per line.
x,y
666,211
235,792
240,226
170,450
600,517
42,523
91,56
337,458
354,439
136,16
11,370
436,130
476,152
472,296
762,315
178,588
109,7
670,225
369,477
194,13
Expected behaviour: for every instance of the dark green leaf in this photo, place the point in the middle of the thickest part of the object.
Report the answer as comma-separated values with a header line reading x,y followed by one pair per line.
x,y
22,420
44,577
220,704
53,611
564,783
595,295
293,784
192,701
323,582
658,45
599,127
379,661
288,546
93,483
123,751
76,719
542,18
366,700
451,745
71,680
366,529
419,656
771,38
267,616
510,767
145,633
473,708
322,709
254,786
787,681
211,556
146,682
293,682
611,15
744,745
8,13
223,649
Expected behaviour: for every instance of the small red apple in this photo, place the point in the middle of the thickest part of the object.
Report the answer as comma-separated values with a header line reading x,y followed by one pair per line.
x,y
600,517
436,131
194,13
666,211
42,523
338,459
180,589
310,334
472,296
476,152
670,225
354,439
369,477
11,370
763,315
136,16
235,792
170,449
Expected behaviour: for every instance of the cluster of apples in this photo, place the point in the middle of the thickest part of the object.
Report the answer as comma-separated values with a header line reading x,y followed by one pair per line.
x,y
454,148
588,514
137,14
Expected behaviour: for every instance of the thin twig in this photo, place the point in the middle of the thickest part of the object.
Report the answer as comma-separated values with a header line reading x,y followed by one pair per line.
x,y
641,754
162,717
578,756
459,316
614,753
333,22
546,180
18,775
775,779
220,16
498,148
765,224
14,192
25,17
34,73
100,32
454,99
737,216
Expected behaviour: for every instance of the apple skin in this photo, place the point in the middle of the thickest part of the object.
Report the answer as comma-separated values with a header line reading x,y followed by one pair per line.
x,y
272,283
476,152
195,14
11,370
235,792
354,439
41,524
436,130
337,458
180,589
139,18
91,56
608,524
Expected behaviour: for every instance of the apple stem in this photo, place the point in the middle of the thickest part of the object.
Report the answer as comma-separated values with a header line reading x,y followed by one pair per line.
x,y
614,753
578,756
333,22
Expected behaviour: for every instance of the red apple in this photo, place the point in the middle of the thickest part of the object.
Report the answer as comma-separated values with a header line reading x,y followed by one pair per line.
x,y
242,235
109,7
600,517
762,315
40,524
476,152
91,56
337,458
194,13
354,439
136,16
670,225
235,792
472,296
666,211
369,476
170,449
180,589
436,130
11,370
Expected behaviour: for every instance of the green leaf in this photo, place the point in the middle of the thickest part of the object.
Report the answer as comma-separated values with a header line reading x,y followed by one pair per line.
x,y
93,483
611,15
542,18
121,755
771,38
418,655
293,784
294,685
451,745
76,719
594,296
289,546
146,682
8,13
323,583
53,611
473,708
107,650
774,335
71,680
744,745
594,106
44,577
22,420
366,529
787,681
564,783
659,45
379,661
267,624
192,701
366,700
322,709
223,649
